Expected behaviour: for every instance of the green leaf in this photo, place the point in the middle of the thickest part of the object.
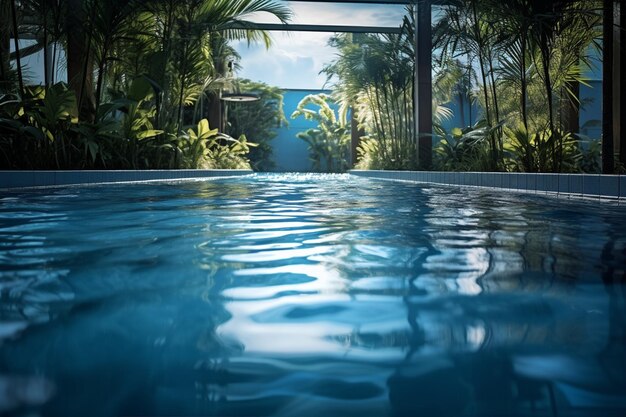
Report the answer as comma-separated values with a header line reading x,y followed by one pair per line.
x,y
93,150
150,133
140,89
34,132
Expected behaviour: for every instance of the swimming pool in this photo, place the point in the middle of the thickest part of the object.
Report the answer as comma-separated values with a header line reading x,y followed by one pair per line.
x,y
309,295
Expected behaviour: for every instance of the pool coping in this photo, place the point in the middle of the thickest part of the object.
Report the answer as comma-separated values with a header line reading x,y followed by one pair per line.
x,y
594,186
38,179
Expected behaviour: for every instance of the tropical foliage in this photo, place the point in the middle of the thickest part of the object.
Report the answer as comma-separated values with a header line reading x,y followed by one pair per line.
x,y
328,142
530,57
139,72
46,133
373,75
207,148
257,120
515,69
142,73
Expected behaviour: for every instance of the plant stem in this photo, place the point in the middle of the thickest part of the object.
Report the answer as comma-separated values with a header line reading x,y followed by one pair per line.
x,y
101,68
17,48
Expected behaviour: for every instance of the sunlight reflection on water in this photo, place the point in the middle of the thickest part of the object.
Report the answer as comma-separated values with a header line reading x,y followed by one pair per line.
x,y
307,294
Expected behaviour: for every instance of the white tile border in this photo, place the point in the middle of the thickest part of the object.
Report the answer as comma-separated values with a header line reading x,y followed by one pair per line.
x,y
609,187
38,179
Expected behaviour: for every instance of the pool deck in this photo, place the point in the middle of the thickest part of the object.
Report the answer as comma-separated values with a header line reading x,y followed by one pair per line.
x,y
598,186
32,179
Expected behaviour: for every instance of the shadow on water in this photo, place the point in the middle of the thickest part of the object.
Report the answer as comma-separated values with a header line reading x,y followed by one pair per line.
x,y
306,295
510,356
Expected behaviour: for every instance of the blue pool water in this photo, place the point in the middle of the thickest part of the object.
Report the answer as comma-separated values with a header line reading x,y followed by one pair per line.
x,y
310,295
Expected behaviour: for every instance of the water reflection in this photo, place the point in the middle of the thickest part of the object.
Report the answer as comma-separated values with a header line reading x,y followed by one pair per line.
x,y
303,295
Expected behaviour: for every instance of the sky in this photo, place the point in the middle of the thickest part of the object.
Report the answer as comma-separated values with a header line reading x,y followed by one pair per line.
x,y
296,58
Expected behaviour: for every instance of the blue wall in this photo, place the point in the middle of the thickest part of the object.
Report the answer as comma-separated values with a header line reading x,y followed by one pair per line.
x,y
458,121
291,153
591,109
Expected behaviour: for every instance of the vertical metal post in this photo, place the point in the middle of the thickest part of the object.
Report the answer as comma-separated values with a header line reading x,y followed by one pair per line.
x,y
608,163
355,137
621,75
423,91
49,65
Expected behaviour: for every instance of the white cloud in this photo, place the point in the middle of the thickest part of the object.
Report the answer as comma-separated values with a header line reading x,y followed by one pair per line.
x,y
341,14
296,58
294,61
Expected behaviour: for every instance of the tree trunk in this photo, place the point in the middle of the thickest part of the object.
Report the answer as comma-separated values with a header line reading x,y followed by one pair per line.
x,y
80,63
17,48
524,81
461,100
608,163
355,138
470,101
100,79
547,80
215,112
485,87
5,45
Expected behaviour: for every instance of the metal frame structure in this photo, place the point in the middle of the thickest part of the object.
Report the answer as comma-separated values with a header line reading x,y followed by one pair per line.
x,y
288,27
422,100
423,73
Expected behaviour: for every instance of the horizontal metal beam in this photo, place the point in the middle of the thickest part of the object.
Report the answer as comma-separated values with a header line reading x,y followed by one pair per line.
x,y
276,27
317,28
358,1
382,2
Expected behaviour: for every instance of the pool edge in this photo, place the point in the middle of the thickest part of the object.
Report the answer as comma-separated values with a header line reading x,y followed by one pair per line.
x,y
587,186
10,180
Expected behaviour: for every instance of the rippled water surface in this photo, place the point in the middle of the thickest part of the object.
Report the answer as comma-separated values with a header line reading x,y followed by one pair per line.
x,y
310,295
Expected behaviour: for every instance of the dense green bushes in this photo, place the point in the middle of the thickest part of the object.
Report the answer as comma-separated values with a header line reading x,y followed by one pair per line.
x,y
328,142
373,75
258,121
137,70
529,57
43,131
520,63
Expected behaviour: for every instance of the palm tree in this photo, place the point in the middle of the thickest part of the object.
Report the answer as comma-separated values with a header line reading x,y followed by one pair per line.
x,y
97,30
16,32
468,30
328,143
194,37
111,26
80,55
374,76
521,45
5,45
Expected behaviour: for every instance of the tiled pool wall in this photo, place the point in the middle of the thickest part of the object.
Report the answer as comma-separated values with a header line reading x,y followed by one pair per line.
x,y
567,185
580,185
22,179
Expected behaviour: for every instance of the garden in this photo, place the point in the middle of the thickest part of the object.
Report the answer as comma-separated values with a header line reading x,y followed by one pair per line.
x,y
146,79
144,85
